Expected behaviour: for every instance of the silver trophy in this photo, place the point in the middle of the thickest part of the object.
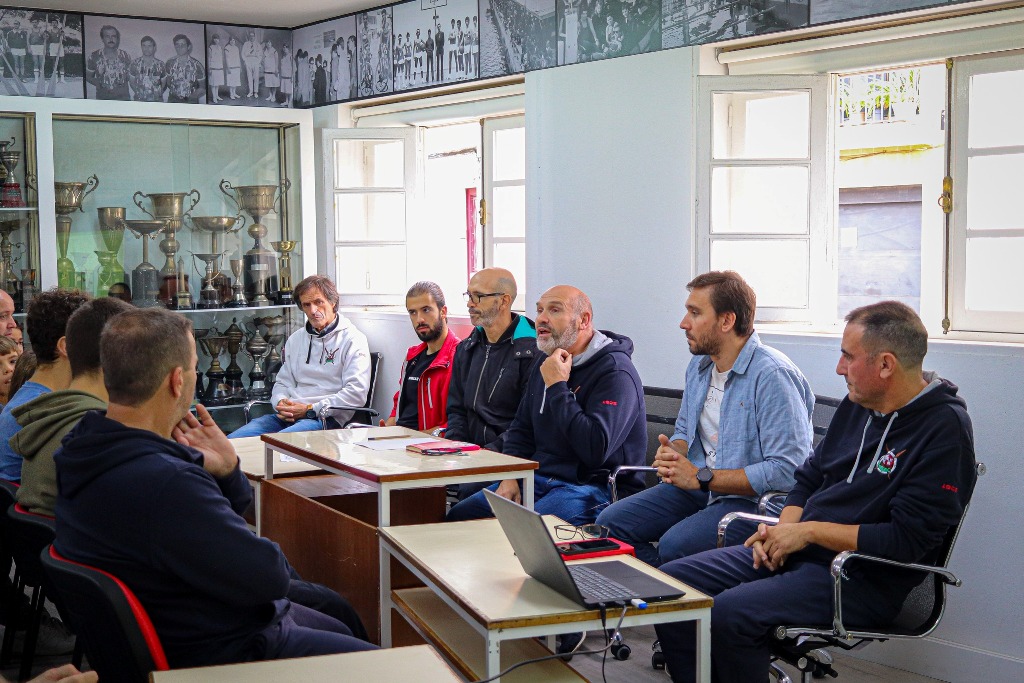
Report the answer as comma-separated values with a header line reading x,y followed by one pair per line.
x,y
169,206
258,201
145,277
256,348
68,199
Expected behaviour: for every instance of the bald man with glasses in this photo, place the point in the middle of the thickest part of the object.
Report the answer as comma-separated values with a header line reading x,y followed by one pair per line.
x,y
491,366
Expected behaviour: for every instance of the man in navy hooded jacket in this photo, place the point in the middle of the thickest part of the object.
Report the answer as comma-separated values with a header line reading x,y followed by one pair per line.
x,y
890,479
581,417
164,515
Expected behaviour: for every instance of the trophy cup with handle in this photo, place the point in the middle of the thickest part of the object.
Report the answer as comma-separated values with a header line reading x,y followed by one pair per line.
x,y
273,338
145,278
217,226
28,287
257,201
111,220
285,249
209,296
10,192
68,199
256,348
169,206
198,333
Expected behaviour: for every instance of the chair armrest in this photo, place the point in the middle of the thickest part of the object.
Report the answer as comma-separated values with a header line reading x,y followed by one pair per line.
x,y
771,503
723,524
326,411
613,478
248,407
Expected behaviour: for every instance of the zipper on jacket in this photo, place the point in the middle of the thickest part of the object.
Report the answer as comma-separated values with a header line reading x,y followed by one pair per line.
x,y
430,399
496,383
480,379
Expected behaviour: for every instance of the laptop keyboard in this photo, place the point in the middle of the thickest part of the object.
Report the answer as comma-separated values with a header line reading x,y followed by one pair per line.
x,y
596,586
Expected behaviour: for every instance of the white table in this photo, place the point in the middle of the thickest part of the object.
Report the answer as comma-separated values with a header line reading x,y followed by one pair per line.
x,y
473,577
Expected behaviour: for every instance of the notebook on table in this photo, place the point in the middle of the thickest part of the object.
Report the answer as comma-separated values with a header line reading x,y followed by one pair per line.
x,y
591,585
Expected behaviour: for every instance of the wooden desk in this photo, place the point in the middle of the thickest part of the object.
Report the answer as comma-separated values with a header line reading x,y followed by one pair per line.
x,y
471,573
335,450
398,665
251,454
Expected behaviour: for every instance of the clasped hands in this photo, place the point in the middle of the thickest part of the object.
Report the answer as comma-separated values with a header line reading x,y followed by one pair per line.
x,y
674,467
772,545
290,411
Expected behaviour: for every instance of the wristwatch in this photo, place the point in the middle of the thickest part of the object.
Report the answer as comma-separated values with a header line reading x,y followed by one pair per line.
x,y
310,413
704,477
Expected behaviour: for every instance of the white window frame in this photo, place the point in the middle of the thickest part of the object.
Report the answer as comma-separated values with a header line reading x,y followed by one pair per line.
x,y
821,305
328,229
961,317
490,126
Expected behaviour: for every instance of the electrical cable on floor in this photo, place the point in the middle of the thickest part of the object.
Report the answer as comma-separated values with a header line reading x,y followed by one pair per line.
x,y
603,650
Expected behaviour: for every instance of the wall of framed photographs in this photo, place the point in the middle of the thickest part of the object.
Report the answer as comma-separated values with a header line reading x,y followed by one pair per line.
x,y
399,47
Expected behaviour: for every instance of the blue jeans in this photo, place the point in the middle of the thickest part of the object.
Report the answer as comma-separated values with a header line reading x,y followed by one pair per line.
x,y
304,632
750,602
575,503
271,424
681,521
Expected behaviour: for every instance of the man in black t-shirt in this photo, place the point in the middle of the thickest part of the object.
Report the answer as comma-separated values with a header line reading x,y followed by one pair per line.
x,y
422,397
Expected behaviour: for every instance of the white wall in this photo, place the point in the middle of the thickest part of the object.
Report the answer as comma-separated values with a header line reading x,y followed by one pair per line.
x,y
609,206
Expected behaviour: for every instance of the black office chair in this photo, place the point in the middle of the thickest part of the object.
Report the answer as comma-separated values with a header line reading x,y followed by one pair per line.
x,y
120,640
804,647
325,413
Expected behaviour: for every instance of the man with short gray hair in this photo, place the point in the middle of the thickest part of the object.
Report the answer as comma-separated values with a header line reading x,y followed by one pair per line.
x,y
890,479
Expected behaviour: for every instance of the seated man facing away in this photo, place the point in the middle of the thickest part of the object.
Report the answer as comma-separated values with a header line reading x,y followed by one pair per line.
x,y
47,418
47,317
890,479
582,416
743,427
164,515
422,397
326,364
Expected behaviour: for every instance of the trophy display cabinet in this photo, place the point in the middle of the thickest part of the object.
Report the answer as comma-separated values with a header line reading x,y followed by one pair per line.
x,y
201,217
19,209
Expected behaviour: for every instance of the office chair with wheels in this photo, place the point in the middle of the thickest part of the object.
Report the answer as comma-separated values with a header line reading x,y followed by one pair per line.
x,y
804,647
120,640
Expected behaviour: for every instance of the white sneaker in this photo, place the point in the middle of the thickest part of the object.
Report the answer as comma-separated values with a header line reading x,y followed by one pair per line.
x,y
54,637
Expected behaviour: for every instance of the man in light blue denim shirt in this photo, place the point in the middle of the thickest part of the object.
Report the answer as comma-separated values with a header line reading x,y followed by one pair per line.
x,y
743,428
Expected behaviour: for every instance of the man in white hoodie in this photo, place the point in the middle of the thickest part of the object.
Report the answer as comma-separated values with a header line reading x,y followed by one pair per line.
x,y
326,364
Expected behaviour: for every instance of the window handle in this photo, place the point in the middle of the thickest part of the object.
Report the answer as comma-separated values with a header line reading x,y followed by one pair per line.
x,y
483,212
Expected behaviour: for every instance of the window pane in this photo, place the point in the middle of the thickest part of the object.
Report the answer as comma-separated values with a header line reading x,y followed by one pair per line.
x,y
369,216
994,276
760,200
510,154
761,125
513,257
508,215
776,269
994,120
992,199
369,163
371,270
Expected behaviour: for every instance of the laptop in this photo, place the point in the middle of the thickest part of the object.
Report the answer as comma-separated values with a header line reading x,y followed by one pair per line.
x,y
592,584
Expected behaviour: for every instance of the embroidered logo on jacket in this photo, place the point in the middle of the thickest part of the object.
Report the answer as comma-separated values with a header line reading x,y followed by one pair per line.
x,y
887,463
330,355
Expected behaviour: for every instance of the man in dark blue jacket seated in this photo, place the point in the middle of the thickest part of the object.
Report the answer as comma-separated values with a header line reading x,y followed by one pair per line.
x,y
163,515
582,414
890,479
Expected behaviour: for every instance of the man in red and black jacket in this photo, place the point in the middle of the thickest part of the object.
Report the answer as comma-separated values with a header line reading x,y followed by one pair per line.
x,y
422,397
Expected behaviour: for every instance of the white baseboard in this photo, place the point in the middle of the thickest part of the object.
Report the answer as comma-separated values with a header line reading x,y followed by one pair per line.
x,y
945,660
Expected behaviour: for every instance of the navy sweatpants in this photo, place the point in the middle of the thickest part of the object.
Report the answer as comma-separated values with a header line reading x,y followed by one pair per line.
x,y
749,603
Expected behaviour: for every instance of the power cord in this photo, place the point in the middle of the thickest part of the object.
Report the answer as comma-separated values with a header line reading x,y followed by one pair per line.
x,y
603,651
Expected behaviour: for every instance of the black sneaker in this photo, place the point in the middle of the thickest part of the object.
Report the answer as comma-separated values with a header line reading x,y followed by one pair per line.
x,y
568,643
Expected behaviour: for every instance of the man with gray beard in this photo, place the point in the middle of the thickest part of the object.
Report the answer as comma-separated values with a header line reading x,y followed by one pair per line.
x,y
581,417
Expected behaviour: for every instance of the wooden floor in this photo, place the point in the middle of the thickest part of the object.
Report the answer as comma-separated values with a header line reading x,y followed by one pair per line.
x,y
637,669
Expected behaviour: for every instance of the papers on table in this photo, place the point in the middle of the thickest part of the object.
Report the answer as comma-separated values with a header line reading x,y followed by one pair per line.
x,y
393,443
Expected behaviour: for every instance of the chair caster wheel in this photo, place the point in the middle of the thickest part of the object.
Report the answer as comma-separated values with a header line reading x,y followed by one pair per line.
x,y
621,652
658,661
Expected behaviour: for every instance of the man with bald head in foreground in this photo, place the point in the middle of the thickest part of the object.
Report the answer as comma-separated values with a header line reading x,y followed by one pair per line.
x,y
581,417
7,322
